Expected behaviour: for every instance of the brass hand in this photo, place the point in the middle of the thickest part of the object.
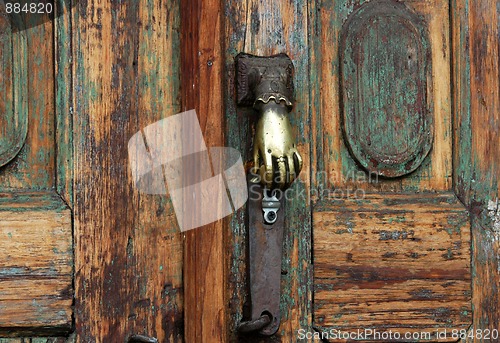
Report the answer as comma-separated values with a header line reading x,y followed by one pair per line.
x,y
274,151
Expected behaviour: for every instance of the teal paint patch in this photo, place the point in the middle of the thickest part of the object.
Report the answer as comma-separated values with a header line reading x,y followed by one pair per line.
x,y
385,67
14,68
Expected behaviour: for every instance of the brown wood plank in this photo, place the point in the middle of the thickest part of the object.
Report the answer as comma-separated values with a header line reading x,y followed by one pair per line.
x,y
462,137
484,45
64,97
475,35
36,264
392,261
268,28
477,103
127,244
205,268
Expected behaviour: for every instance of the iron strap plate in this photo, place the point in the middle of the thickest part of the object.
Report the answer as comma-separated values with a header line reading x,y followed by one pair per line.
x,y
265,249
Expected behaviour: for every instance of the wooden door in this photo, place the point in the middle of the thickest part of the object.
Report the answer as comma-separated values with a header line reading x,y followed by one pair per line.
x,y
85,256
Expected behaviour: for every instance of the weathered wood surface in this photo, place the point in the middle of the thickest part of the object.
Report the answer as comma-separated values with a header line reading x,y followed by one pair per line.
x,y
385,83
332,164
34,166
334,168
128,248
13,90
486,282
392,262
266,28
36,264
477,102
63,60
36,277
205,250
477,156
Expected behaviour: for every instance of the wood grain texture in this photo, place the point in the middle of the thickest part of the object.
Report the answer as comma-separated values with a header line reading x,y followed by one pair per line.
x,y
484,23
205,267
331,162
477,125
477,104
392,262
13,90
266,28
36,264
63,64
462,154
485,154
128,247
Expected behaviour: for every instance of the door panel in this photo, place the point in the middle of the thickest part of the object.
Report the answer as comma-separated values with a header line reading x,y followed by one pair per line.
x,y
392,261
390,253
36,264
36,248
333,164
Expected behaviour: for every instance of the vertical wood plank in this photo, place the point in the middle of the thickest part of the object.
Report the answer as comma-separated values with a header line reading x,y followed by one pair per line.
x,y
205,274
477,161
462,160
476,28
267,28
477,103
64,94
128,248
484,46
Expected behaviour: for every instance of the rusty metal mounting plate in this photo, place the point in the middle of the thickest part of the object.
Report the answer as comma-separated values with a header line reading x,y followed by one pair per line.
x,y
263,76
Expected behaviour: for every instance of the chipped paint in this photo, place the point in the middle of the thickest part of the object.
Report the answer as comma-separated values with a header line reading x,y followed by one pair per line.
x,y
494,215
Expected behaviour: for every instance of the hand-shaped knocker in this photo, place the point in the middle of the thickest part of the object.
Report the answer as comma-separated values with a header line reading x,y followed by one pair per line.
x,y
266,84
274,151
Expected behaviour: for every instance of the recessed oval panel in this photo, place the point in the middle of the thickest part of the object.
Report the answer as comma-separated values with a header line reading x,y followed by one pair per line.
x,y
13,91
385,80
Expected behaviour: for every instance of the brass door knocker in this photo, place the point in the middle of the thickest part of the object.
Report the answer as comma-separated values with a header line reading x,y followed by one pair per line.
x,y
266,83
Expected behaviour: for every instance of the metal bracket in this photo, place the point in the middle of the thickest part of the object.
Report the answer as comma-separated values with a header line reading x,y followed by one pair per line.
x,y
263,78
270,206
